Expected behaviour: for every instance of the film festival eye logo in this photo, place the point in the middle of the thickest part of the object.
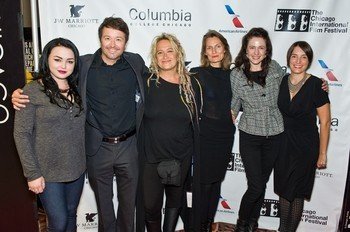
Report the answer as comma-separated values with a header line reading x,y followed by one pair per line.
x,y
236,22
328,71
270,208
75,10
292,20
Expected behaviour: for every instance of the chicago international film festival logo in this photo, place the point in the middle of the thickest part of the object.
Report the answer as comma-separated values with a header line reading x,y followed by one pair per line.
x,y
236,22
316,21
292,20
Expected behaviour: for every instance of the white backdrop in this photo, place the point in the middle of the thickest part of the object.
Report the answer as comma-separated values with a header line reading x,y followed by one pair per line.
x,y
323,23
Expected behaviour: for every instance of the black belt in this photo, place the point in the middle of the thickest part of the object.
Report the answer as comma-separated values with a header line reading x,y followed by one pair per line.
x,y
119,138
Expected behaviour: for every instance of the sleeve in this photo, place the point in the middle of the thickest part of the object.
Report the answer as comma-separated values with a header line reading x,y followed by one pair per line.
x,y
24,138
197,87
235,88
320,96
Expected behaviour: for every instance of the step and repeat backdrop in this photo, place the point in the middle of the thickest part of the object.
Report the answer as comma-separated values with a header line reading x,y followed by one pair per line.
x,y
323,23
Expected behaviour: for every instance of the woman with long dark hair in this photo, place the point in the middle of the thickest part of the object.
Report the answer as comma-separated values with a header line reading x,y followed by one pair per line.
x,y
49,135
255,82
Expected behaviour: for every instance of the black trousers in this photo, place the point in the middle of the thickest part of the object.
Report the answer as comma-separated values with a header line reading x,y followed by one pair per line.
x,y
258,154
121,160
153,190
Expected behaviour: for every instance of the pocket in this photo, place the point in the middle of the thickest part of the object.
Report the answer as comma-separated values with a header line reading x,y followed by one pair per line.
x,y
170,172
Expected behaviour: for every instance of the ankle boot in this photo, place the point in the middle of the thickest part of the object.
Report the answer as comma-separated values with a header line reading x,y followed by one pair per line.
x,y
170,219
241,226
206,226
153,226
252,225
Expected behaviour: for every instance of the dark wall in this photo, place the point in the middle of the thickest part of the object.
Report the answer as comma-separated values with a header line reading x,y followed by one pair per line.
x,y
17,204
344,222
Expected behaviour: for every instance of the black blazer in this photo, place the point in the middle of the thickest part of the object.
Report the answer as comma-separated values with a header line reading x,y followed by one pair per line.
x,y
93,136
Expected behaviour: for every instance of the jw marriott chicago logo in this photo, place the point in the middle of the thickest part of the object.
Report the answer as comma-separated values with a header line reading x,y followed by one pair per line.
x,y
75,17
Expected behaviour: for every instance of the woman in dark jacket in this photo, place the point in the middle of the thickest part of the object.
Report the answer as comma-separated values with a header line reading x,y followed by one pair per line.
x,y
216,126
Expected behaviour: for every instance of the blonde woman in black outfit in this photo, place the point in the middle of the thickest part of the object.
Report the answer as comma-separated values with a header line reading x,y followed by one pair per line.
x,y
169,131
216,125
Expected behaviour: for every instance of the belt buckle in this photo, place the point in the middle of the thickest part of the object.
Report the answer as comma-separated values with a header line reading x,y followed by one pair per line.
x,y
116,139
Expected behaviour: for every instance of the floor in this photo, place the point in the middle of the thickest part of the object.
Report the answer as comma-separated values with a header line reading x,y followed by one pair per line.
x,y
226,227
217,227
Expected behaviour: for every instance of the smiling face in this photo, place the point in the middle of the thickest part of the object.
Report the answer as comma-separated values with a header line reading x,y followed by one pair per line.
x,y
298,61
256,52
113,43
166,56
215,51
61,62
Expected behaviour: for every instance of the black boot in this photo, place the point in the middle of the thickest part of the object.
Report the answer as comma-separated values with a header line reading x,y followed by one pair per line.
x,y
153,226
241,225
206,226
252,225
170,219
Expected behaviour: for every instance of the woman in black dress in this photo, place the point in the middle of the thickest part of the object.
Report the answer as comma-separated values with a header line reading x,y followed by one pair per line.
x,y
169,131
216,126
304,149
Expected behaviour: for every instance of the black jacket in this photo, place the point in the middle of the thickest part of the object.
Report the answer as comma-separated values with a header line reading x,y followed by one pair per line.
x,y
93,137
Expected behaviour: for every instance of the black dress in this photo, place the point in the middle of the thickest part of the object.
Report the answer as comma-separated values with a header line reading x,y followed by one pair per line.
x,y
216,126
296,163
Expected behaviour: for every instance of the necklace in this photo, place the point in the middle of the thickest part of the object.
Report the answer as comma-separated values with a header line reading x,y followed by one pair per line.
x,y
293,88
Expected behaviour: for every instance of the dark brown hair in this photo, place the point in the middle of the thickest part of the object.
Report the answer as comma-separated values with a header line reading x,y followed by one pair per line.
x,y
305,47
242,61
114,23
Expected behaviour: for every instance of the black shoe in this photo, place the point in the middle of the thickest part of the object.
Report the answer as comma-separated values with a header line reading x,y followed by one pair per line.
x,y
252,225
241,226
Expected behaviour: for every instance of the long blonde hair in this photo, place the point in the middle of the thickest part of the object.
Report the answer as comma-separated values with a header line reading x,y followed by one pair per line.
x,y
185,86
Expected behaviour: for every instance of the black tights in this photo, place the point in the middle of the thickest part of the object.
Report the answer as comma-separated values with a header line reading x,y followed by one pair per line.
x,y
290,214
210,194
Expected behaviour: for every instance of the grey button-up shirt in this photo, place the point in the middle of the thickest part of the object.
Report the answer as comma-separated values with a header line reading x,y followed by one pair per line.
x,y
261,115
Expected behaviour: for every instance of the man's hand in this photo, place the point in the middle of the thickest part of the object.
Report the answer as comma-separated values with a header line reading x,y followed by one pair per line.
x,y
18,99
325,85
37,186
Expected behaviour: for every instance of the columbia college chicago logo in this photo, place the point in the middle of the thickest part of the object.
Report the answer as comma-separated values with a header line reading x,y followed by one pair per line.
x,y
292,20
